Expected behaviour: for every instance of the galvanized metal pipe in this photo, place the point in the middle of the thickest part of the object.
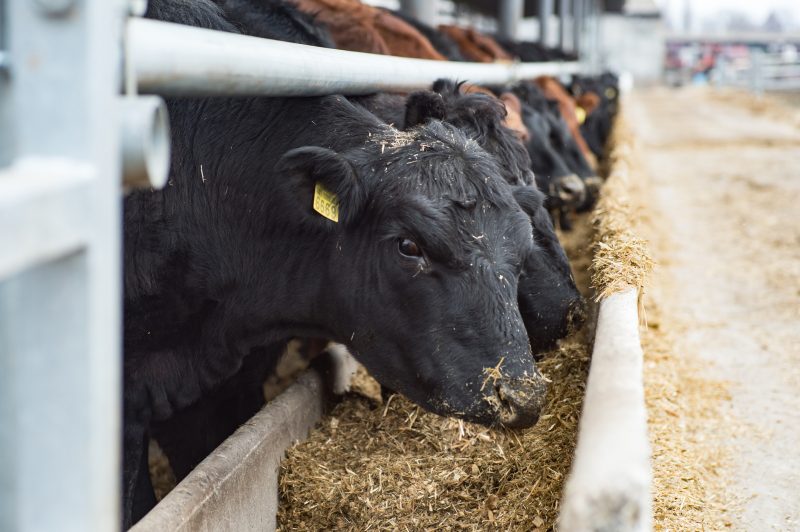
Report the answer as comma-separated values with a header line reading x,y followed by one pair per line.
x,y
578,12
207,62
511,12
145,142
563,16
422,10
545,10
60,281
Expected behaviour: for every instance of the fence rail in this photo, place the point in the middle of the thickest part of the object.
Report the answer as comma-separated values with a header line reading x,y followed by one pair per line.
x,y
764,72
67,138
205,62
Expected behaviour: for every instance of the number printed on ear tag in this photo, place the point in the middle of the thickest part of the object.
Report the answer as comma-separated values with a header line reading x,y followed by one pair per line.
x,y
326,203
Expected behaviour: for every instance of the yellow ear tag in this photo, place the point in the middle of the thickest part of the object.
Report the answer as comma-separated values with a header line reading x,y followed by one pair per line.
x,y
326,203
580,112
610,93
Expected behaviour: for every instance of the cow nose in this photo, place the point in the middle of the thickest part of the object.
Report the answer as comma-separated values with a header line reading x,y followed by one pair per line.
x,y
576,315
570,189
521,400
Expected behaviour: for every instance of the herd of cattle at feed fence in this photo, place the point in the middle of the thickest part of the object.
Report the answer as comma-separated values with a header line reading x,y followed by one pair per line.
x,y
417,229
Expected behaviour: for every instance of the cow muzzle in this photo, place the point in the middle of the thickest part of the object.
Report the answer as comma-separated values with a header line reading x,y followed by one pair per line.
x,y
576,315
519,401
569,189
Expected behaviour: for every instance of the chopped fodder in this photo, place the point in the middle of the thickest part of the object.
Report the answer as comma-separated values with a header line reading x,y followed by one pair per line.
x,y
683,406
621,258
394,466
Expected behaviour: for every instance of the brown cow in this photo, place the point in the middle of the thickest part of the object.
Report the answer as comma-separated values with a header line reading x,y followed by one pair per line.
x,y
476,46
588,101
553,90
513,120
362,28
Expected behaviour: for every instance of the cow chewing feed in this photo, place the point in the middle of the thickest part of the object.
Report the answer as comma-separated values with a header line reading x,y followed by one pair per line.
x,y
418,275
568,179
550,303
599,96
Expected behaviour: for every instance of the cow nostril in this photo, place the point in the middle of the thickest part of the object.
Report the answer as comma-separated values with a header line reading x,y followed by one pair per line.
x,y
520,400
576,315
571,189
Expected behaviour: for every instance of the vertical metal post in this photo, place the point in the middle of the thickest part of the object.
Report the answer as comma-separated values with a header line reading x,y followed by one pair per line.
x,y
563,15
592,46
545,10
511,12
577,26
423,10
60,302
757,71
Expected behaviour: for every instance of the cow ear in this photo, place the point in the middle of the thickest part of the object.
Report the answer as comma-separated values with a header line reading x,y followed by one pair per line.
x,y
530,199
589,101
324,185
422,106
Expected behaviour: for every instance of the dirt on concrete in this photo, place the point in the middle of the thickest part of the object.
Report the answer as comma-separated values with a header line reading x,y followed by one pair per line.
x,y
722,345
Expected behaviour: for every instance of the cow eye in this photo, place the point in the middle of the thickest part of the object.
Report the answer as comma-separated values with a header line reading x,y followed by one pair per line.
x,y
409,248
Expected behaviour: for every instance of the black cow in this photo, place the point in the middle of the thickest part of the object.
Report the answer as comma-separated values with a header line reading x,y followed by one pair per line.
x,y
481,118
565,144
275,19
554,149
604,90
418,276
528,51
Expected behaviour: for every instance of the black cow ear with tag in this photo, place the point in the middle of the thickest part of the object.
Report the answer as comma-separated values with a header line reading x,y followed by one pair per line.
x,y
324,184
422,106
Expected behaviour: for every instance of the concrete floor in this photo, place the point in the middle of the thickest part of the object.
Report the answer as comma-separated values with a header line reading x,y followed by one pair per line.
x,y
725,174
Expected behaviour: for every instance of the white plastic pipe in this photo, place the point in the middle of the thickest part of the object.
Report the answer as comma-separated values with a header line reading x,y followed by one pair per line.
x,y
172,59
609,485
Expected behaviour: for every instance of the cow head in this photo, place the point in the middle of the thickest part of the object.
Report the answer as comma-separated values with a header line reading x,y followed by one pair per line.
x,y
564,189
564,143
550,303
420,273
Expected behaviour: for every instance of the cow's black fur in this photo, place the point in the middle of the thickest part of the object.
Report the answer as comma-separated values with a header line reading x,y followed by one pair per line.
x,y
554,151
275,19
230,257
528,51
597,127
549,301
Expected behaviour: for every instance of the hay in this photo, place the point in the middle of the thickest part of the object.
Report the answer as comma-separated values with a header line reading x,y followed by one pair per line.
x,y
621,258
683,407
397,467
393,466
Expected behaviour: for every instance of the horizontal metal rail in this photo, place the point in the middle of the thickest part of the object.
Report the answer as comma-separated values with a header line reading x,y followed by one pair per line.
x,y
44,212
172,59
